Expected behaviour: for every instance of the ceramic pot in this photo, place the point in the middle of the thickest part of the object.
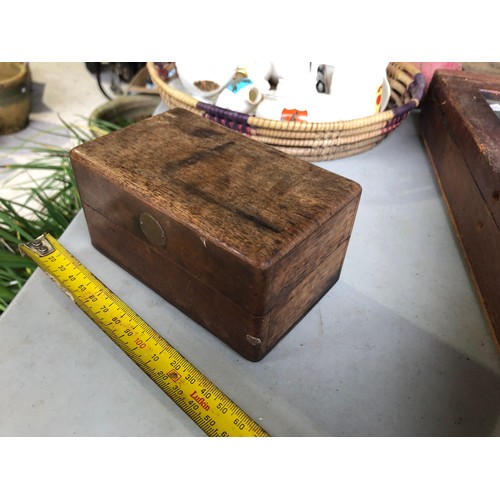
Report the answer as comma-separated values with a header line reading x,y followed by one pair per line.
x,y
205,79
242,95
123,111
15,96
357,89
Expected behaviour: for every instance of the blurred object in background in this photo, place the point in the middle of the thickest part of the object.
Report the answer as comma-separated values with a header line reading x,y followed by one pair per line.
x,y
428,68
120,73
482,67
15,96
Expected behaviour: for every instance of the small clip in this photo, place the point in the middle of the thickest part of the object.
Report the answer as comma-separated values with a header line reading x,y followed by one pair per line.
x,y
41,246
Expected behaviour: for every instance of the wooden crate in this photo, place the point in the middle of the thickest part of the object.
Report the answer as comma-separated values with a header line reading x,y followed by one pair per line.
x,y
241,237
462,135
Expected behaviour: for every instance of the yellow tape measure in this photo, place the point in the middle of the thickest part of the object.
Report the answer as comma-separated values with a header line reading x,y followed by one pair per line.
x,y
199,398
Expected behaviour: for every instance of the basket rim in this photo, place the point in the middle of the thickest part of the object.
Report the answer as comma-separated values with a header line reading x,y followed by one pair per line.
x,y
404,72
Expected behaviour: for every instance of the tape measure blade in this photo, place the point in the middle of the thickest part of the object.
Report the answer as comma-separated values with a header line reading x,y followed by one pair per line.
x,y
213,411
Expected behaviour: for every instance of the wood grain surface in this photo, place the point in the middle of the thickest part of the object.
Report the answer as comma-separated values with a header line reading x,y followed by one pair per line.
x,y
462,137
242,223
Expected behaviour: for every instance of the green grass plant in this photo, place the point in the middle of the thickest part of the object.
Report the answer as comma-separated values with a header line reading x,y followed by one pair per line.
x,y
46,203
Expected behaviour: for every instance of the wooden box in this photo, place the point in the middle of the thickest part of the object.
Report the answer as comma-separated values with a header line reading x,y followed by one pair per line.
x,y
461,132
241,237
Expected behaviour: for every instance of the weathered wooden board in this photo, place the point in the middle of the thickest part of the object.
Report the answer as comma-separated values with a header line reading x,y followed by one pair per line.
x,y
462,136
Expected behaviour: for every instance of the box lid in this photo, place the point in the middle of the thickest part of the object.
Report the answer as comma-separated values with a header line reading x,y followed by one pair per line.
x,y
229,207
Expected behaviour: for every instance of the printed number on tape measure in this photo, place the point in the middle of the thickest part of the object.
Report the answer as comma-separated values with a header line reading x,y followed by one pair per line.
x,y
214,412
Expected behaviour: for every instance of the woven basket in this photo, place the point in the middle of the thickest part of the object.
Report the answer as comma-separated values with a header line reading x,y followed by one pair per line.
x,y
310,141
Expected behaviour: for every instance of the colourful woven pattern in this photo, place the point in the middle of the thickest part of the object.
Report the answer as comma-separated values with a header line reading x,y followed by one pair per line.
x,y
310,141
231,119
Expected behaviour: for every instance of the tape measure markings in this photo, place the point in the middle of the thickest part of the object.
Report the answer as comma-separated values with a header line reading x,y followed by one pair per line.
x,y
214,412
